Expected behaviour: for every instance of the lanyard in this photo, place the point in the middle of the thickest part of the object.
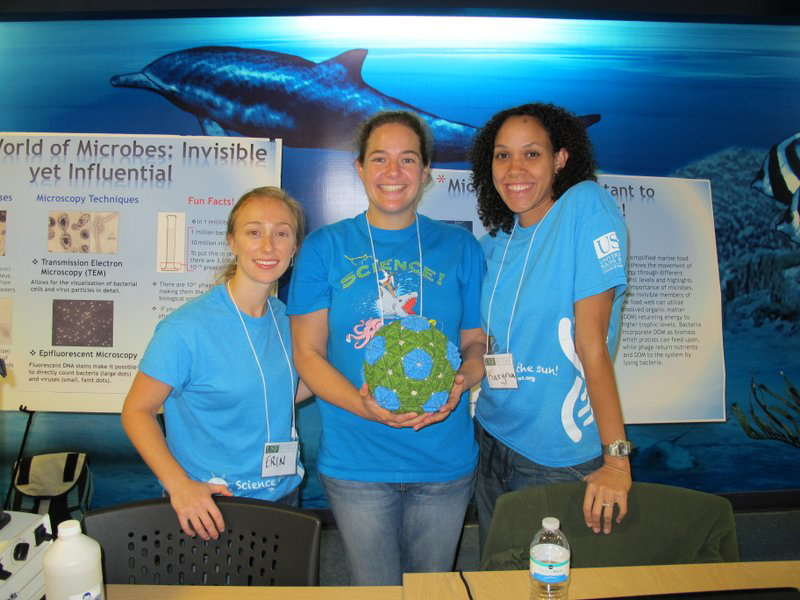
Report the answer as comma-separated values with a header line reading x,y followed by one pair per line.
x,y
258,362
375,264
519,285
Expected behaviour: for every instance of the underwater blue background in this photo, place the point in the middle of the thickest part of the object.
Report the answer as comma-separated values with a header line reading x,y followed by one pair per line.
x,y
675,99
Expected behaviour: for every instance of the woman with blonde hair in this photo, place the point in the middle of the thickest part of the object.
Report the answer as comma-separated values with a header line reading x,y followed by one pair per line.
x,y
221,367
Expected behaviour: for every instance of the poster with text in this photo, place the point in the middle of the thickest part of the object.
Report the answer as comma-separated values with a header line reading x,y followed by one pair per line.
x,y
104,235
669,364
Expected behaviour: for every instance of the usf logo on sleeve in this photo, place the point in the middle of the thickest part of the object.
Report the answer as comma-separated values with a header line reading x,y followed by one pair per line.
x,y
606,247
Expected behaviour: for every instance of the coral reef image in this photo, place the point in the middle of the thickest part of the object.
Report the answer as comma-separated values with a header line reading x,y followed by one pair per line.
x,y
759,267
80,231
83,323
410,365
771,416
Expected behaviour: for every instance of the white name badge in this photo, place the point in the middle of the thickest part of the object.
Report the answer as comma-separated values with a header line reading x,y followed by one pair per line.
x,y
500,371
280,458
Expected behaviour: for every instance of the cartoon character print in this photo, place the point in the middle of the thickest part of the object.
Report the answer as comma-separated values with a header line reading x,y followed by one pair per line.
x,y
393,305
363,332
578,390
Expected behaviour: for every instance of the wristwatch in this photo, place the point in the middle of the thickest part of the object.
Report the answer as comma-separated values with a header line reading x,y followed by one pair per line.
x,y
618,448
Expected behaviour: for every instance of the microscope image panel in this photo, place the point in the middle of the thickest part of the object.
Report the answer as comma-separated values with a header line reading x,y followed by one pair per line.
x,y
83,323
6,305
83,231
2,232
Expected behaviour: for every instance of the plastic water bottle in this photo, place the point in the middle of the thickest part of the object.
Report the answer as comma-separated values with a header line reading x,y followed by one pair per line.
x,y
71,566
549,562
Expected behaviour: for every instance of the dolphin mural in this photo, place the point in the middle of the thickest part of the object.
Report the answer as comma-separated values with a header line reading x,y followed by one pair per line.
x,y
259,93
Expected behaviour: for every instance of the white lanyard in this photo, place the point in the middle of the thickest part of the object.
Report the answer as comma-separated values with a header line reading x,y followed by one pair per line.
x,y
519,285
375,264
258,362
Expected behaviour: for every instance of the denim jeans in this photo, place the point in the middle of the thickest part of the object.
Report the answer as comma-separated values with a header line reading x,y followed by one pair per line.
x,y
393,528
502,470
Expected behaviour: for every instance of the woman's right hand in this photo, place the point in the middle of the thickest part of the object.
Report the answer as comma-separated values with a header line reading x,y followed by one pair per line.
x,y
197,512
375,412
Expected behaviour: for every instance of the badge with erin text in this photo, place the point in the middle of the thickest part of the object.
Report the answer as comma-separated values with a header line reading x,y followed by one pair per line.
x,y
280,458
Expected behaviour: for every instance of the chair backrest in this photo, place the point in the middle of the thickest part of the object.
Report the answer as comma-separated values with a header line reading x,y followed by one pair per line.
x,y
263,544
664,525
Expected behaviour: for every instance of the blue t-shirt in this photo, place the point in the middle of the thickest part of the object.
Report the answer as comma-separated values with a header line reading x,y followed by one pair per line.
x,y
579,250
335,271
215,414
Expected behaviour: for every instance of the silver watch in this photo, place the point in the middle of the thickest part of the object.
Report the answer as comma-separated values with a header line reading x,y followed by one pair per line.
x,y
618,448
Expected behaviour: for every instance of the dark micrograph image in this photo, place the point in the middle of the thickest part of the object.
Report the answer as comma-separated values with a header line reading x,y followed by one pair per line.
x,y
83,323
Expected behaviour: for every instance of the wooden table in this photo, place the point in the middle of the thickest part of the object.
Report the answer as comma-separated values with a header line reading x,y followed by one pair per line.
x,y
610,581
503,585
180,592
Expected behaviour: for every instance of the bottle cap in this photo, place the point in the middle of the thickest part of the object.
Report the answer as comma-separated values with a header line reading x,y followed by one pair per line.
x,y
69,528
549,523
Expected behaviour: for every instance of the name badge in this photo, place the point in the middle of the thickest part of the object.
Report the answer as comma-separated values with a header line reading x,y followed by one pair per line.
x,y
280,458
500,371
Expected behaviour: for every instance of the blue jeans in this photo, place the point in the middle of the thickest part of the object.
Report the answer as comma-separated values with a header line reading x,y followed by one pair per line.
x,y
502,470
393,528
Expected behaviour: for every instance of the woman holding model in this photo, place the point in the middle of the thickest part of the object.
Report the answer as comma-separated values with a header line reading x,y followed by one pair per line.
x,y
399,485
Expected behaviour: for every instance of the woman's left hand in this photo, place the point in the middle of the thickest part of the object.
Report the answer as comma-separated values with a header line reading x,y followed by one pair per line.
x,y
607,486
473,342
445,409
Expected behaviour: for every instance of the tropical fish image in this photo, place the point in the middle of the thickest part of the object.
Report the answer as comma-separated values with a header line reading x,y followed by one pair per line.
x,y
779,178
259,93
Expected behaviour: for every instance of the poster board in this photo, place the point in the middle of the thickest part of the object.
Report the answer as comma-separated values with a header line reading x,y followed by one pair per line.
x,y
102,236
670,362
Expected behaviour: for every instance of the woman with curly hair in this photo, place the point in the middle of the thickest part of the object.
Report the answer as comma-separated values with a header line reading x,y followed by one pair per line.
x,y
556,257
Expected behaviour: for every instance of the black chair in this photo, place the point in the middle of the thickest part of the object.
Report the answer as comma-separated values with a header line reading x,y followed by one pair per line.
x,y
665,525
263,544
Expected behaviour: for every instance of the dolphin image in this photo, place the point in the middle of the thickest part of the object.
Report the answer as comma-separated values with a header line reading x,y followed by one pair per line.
x,y
259,93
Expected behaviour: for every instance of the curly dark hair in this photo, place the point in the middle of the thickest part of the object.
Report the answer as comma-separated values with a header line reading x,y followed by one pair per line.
x,y
565,131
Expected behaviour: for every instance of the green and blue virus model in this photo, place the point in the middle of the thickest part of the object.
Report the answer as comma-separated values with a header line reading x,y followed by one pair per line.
x,y
409,366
